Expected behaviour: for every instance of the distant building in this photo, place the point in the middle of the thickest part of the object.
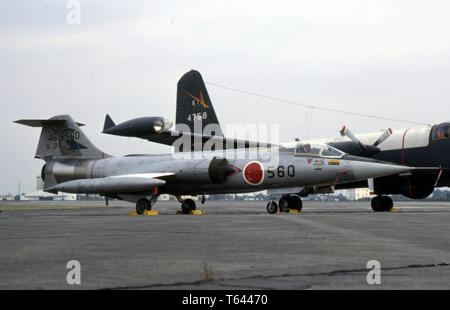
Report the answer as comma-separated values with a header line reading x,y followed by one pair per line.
x,y
41,195
358,193
7,197
39,183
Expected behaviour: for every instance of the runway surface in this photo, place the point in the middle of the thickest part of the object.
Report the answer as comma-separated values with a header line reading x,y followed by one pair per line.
x,y
233,245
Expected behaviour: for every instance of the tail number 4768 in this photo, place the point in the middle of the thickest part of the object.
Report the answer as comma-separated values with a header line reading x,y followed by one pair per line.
x,y
196,117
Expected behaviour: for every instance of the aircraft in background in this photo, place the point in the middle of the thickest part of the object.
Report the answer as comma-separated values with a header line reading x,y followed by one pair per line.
x,y
196,125
425,147
74,165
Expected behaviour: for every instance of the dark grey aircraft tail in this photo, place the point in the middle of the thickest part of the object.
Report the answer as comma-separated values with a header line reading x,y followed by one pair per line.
x,y
61,137
194,107
109,123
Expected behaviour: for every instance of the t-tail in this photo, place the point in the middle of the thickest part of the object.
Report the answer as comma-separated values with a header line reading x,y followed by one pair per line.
x,y
195,111
62,138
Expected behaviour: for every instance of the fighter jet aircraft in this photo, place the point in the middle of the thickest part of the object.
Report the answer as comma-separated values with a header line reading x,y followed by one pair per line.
x,y
73,164
426,147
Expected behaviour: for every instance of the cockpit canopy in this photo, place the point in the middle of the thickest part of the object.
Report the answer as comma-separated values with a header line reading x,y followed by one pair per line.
x,y
317,150
441,131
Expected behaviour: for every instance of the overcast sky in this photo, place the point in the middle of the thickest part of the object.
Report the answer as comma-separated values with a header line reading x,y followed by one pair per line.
x,y
389,58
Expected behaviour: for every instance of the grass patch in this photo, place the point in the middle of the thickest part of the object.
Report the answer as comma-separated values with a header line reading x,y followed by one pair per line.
x,y
208,274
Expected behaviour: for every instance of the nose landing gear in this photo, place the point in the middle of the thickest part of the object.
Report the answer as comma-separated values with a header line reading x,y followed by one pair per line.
x,y
272,207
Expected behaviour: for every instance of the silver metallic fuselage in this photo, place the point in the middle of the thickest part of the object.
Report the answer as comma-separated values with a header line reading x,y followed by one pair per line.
x,y
192,172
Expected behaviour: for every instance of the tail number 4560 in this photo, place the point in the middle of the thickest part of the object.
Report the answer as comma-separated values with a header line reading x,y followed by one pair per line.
x,y
281,172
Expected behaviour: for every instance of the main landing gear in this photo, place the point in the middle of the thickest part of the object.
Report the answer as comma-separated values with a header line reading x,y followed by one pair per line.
x,y
145,204
285,203
187,205
382,203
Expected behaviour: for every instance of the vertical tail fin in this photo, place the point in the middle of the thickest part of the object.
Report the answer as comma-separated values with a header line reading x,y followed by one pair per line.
x,y
194,104
108,123
61,137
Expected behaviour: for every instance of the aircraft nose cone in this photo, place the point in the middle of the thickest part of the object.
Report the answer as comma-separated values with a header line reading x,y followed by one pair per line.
x,y
367,170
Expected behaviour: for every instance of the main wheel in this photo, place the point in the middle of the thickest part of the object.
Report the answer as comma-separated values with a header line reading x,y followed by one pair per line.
x,y
387,203
187,206
382,203
284,203
142,205
376,204
296,203
272,207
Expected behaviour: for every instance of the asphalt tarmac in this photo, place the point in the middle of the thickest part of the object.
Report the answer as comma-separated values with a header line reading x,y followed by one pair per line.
x,y
232,245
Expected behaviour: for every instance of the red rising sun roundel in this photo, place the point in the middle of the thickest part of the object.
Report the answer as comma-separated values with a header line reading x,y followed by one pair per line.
x,y
253,173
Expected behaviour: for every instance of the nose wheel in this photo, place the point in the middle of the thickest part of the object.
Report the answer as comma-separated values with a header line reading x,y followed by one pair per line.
x,y
272,207
382,203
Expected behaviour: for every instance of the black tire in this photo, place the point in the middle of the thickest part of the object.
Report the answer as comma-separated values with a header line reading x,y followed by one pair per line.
x,y
377,204
142,205
295,203
187,206
272,207
284,203
387,203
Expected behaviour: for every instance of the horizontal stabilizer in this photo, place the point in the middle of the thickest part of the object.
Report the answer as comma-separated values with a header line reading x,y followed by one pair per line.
x,y
44,122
